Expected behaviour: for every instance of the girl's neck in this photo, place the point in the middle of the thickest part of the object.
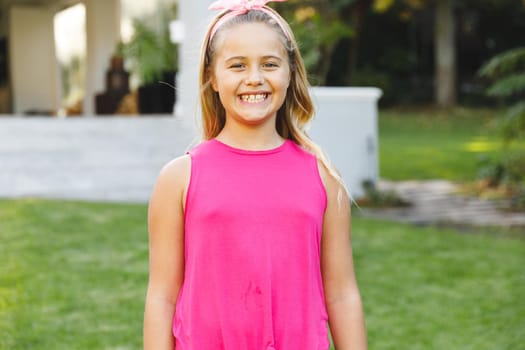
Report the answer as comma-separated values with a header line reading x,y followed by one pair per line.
x,y
250,139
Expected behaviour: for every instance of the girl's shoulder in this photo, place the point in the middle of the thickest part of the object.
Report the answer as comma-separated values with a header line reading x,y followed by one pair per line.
x,y
176,166
174,176
168,195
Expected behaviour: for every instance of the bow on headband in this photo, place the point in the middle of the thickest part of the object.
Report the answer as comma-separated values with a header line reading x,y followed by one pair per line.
x,y
240,7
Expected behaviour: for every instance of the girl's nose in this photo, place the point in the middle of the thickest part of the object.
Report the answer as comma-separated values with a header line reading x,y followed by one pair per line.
x,y
254,77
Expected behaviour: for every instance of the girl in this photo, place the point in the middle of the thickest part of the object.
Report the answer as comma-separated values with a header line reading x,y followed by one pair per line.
x,y
249,232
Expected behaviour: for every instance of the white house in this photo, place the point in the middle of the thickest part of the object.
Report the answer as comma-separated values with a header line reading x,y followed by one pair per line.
x,y
345,125
29,75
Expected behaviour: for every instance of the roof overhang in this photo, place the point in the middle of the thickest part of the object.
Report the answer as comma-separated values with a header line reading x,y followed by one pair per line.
x,y
56,5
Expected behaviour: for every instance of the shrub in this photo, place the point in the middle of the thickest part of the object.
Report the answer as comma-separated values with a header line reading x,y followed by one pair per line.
x,y
507,73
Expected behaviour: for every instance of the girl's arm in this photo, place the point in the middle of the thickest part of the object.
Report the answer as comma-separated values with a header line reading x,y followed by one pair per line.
x,y
166,253
343,300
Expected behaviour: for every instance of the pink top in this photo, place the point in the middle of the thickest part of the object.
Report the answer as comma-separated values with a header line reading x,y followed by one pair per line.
x,y
253,226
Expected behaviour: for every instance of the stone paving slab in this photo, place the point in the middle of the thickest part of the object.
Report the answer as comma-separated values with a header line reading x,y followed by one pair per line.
x,y
437,202
98,159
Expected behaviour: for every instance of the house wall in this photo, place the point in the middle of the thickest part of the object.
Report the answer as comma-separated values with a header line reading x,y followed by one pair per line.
x,y
33,65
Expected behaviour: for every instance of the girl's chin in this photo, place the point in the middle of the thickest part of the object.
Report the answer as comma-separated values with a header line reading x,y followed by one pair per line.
x,y
254,119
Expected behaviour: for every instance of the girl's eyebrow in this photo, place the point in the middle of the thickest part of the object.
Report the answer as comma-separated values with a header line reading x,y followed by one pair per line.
x,y
272,57
237,58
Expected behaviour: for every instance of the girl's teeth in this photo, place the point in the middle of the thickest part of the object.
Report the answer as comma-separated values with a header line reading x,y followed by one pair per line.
x,y
253,98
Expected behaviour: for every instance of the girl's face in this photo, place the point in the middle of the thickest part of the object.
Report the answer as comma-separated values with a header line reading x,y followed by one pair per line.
x,y
251,73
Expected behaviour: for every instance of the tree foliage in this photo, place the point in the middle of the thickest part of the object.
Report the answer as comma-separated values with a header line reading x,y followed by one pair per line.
x,y
319,25
390,43
504,64
507,72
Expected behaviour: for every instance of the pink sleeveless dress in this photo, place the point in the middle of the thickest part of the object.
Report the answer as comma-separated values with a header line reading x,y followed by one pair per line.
x,y
253,224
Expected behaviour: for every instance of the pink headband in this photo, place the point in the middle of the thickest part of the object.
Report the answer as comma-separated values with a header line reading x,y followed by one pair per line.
x,y
240,7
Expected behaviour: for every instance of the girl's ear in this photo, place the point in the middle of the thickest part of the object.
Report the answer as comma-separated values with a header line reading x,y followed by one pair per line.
x,y
212,79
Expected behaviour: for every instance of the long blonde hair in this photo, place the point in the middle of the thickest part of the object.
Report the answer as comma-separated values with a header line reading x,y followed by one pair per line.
x,y
297,110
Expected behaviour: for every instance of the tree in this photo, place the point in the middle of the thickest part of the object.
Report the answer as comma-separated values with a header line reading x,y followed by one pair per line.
x,y
319,25
330,33
445,53
444,45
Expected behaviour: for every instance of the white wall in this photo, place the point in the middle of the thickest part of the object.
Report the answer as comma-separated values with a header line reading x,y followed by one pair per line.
x,y
345,126
34,69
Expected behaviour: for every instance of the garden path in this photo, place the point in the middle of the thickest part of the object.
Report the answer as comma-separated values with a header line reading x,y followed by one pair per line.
x,y
438,202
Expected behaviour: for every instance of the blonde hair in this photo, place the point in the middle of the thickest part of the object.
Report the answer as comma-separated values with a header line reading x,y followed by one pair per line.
x,y
297,110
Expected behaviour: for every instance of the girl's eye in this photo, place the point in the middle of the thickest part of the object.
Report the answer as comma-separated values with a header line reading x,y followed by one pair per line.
x,y
237,66
270,65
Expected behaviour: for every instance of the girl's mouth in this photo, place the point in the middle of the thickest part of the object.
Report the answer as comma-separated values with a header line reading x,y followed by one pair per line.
x,y
254,98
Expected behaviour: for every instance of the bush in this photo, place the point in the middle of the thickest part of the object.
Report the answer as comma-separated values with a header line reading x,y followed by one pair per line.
x,y
507,72
508,170
375,198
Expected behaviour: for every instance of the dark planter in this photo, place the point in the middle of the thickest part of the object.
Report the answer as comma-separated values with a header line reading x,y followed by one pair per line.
x,y
117,86
158,97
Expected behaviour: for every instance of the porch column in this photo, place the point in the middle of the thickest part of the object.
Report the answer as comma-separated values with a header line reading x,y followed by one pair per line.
x,y
102,36
34,68
194,17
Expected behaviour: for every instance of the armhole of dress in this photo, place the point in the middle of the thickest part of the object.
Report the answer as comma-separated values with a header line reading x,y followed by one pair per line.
x,y
320,182
187,201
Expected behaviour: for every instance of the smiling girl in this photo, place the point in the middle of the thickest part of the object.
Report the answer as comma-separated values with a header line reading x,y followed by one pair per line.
x,y
249,231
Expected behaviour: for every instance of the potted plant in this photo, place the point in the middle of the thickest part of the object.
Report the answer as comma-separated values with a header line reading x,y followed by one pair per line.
x,y
153,59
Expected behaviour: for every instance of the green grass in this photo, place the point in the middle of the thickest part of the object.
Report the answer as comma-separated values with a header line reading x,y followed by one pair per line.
x,y
425,288
430,143
73,276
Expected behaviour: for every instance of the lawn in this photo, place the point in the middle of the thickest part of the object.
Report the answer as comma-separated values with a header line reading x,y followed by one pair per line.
x,y
432,143
73,276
